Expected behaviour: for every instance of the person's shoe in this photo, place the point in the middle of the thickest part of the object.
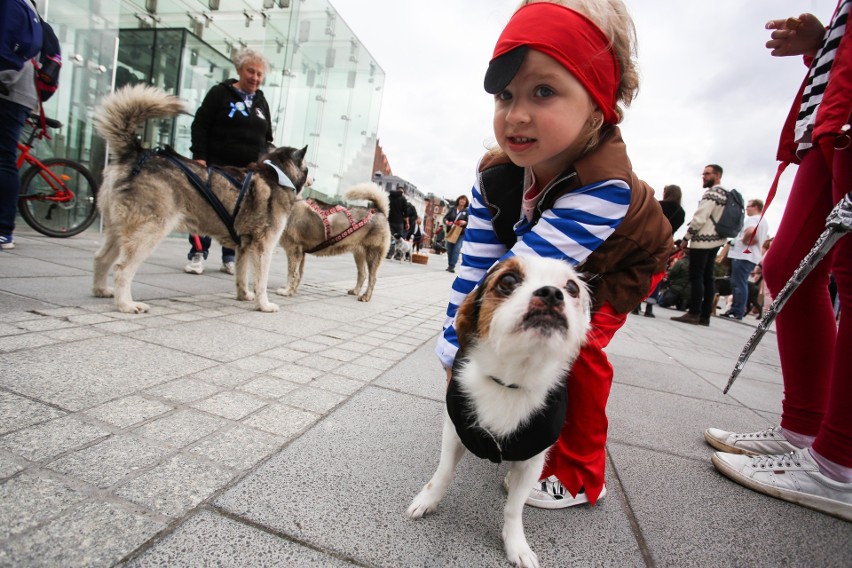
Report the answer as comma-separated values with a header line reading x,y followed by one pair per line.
x,y
687,318
704,321
769,441
636,310
649,311
730,315
793,477
227,267
451,269
196,264
7,242
551,494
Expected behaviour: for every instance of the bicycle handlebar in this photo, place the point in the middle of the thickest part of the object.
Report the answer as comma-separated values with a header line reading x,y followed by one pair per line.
x,y
49,122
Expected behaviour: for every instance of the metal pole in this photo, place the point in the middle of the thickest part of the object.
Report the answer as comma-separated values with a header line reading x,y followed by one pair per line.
x,y
838,224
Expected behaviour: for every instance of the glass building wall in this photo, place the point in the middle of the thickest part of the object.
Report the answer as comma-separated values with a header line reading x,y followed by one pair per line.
x,y
324,87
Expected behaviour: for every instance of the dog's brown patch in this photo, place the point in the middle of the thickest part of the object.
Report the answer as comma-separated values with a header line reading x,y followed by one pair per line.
x,y
473,318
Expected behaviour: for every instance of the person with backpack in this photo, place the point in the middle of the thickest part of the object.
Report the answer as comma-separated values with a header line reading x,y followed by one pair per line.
x,y
18,97
704,244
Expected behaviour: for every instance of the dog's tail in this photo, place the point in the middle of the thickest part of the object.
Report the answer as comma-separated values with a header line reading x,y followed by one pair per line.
x,y
121,113
370,192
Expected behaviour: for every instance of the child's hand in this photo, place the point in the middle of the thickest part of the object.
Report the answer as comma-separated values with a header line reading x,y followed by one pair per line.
x,y
795,36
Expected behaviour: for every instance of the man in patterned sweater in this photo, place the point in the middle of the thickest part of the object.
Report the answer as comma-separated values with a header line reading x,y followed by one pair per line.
x,y
704,244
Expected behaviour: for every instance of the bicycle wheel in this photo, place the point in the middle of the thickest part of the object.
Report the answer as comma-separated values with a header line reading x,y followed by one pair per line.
x,y
45,210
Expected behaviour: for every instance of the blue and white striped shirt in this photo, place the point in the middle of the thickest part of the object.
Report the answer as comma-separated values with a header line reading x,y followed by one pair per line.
x,y
577,224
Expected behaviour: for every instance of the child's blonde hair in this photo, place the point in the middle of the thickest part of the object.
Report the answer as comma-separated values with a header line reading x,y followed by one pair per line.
x,y
612,18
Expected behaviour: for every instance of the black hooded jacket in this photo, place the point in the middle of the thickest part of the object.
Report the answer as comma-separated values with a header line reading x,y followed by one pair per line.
x,y
227,133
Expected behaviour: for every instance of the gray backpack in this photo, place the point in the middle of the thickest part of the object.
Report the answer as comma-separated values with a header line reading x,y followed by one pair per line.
x,y
730,222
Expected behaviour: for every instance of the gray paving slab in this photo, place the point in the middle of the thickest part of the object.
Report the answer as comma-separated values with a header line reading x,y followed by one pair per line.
x,y
83,374
210,539
207,433
691,515
369,459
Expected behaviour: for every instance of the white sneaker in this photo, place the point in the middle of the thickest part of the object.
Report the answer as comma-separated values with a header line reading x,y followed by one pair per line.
x,y
227,267
769,441
551,494
793,477
196,264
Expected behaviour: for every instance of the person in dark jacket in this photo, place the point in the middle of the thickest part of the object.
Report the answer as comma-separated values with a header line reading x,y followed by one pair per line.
x,y
675,214
397,214
233,127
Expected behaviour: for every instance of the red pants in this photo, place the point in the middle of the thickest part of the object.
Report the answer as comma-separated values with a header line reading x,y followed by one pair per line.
x,y
578,458
815,354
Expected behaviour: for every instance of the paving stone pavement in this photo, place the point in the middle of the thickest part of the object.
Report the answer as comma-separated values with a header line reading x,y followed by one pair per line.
x,y
206,433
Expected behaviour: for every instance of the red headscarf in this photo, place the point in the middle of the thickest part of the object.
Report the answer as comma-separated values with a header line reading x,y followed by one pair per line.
x,y
571,39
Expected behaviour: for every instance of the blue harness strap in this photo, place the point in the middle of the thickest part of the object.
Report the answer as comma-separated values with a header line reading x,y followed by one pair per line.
x,y
205,188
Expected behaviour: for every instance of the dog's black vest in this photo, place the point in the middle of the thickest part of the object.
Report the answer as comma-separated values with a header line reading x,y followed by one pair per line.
x,y
539,433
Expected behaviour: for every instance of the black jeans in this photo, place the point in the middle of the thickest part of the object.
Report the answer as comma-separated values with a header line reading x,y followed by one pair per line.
x,y
701,265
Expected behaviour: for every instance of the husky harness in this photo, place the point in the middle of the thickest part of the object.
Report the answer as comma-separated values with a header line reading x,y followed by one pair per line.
x,y
204,188
326,213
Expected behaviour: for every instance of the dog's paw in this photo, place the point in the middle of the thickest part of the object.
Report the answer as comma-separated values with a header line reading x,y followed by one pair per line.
x,y
518,552
353,292
103,293
284,292
245,296
522,557
364,297
268,308
421,505
133,308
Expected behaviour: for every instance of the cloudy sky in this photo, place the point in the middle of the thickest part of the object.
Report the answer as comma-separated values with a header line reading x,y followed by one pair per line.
x,y
710,91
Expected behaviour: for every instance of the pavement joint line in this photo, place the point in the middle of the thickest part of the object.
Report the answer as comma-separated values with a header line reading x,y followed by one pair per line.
x,y
636,529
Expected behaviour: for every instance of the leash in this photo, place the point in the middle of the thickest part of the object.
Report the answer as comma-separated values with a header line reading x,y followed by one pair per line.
x,y
324,214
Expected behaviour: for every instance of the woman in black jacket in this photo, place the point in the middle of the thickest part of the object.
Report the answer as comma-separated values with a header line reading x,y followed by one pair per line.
x,y
233,127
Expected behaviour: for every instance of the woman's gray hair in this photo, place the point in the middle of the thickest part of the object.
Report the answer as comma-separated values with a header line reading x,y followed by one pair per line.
x,y
246,55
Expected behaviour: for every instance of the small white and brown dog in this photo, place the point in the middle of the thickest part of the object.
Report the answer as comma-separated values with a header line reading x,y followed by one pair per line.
x,y
519,333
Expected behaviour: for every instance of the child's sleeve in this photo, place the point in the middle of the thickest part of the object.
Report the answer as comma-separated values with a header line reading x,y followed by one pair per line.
x,y
578,223
480,250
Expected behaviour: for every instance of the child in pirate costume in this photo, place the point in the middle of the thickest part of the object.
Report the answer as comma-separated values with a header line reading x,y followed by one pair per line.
x,y
560,185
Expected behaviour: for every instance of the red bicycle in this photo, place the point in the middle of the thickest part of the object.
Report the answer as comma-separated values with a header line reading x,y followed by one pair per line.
x,y
58,195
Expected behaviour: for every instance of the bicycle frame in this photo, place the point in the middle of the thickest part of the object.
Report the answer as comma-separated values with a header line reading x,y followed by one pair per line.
x,y
61,193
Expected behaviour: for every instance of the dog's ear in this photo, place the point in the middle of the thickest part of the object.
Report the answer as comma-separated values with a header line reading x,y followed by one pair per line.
x,y
466,317
299,155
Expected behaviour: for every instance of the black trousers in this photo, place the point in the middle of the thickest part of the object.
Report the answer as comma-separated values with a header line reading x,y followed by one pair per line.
x,y
701,276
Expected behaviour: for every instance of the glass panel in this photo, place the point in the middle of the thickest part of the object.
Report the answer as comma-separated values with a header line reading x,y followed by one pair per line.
x,y
88,32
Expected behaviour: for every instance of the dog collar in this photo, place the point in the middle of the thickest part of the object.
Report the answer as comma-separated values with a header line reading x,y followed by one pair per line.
x,y
283,179
502,384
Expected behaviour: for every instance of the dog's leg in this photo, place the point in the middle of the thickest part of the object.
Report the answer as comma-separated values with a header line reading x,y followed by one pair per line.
x,y
373,262
104,259
261,259
360,266
241,271
452,451
295,266
522,478
136,246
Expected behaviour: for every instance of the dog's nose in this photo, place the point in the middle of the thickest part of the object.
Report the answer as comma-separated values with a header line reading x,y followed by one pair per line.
x,y
550,295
